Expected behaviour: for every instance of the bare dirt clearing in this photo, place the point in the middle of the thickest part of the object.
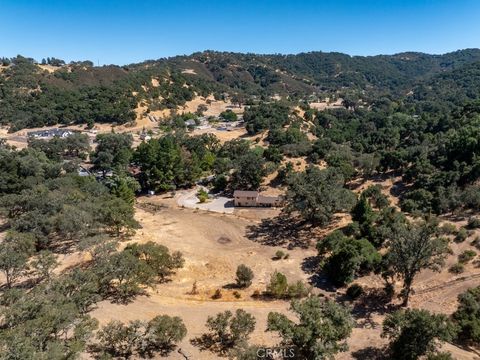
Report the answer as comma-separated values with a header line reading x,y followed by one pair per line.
x,y
213,246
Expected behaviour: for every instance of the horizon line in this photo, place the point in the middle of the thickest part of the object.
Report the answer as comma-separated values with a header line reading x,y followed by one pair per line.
x,y
97,63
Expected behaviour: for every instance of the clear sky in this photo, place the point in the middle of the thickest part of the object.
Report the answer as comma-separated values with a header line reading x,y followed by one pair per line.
x,y
122,32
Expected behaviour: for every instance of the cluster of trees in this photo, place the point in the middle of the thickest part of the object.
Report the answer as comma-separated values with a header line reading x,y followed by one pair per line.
x,y
49,210
434,150
316,195
176,160
75,146
142,338
33,98
43,102
408,247
319,332
266,117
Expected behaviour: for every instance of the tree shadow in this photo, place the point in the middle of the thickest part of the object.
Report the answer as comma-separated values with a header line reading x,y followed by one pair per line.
x,y
319,279
231,286
470,347
372,301
207,342
370,353
282,230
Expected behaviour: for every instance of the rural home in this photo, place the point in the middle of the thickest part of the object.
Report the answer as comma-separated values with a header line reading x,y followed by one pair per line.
x,y
255,199
50,133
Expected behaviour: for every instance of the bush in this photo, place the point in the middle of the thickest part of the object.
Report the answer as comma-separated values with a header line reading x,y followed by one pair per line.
x,y
467,316
458,268
448,229
244,276
278,285
280,288
473,223
440,356
237,295
461,236
217,295
279,255
297,290
354,291
228,115
202,196
466,256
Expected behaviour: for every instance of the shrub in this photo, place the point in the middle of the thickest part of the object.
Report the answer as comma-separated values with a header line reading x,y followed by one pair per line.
x,y
279,255
244,276
467,316
217,295
440,356
448,229
458,268
473,223
237,295
278,285
297,290
354,291
280,288
461,236
466,256
202,196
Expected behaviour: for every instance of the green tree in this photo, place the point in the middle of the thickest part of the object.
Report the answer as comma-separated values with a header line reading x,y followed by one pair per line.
x,y
44,264
158,258
113,151
320,332
414,248
124,187
118,215
467,316
249,171
348,258
228,115
278,285
162,333
119,339
317,195
415,333
228,330
14,254
244,276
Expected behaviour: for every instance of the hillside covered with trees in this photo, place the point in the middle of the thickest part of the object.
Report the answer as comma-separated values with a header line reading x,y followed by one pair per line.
x,y
81,93
350,245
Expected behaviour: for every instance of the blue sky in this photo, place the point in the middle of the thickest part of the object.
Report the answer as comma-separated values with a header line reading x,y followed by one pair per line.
x,y
122,32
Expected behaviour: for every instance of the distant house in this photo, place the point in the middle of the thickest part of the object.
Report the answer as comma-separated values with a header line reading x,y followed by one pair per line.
x,y
255,199
50,133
